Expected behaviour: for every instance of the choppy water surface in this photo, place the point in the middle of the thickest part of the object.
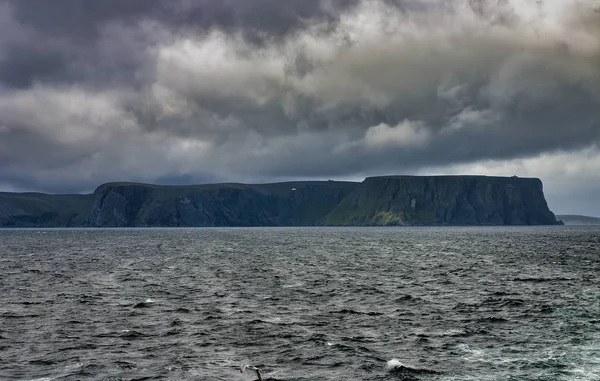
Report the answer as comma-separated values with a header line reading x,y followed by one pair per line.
x,y
301,303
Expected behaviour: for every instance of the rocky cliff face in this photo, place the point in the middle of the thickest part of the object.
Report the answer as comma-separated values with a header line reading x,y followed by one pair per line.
x,y
444,200
394,200
281,204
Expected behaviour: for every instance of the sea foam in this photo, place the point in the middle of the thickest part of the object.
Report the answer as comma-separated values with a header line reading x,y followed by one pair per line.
x,y
394,363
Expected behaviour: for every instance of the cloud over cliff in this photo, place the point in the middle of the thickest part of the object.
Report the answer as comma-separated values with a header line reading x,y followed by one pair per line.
x,y
194,91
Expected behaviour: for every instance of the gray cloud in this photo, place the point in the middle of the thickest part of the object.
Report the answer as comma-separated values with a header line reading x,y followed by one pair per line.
x,y
59,40
192,91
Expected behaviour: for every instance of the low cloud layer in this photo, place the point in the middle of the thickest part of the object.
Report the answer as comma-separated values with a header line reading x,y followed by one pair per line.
x,y
202,91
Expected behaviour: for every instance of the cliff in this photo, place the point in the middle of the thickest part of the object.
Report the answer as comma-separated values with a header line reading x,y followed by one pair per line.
x,y
444,200
392,200
279,204
43,210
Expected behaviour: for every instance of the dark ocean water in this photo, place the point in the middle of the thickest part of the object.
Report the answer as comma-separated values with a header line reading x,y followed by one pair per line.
x,y
301,304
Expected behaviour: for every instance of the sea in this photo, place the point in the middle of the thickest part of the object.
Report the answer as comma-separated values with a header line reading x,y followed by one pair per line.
x,y
379,303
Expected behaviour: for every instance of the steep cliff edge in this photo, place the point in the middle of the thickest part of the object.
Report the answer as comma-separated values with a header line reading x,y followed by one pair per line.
x,y
278,204
444,200
393,200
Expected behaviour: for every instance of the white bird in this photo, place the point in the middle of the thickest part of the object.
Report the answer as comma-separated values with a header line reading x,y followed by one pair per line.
x,y
251,367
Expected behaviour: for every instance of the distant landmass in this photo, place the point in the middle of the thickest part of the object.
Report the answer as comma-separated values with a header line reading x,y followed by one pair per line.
x,y
377,201
574,219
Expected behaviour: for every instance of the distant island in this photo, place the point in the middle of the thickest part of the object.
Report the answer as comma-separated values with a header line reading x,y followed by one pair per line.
x,y
575,219
377,201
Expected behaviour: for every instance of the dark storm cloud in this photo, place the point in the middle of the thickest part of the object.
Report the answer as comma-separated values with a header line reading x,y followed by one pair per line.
x,y
27,63
61,36
169,91
84,20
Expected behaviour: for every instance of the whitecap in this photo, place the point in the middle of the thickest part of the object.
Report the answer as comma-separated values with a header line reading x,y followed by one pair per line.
x,y
454,332
293,285
394,363
274,320
584,374
473,355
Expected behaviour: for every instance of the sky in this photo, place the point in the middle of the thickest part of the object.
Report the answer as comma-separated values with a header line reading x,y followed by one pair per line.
x,y
199,91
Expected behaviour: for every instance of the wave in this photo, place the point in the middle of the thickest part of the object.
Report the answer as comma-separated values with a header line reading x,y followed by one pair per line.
x,y
348,311
492,320
542,280
396,368
145,304
407,298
